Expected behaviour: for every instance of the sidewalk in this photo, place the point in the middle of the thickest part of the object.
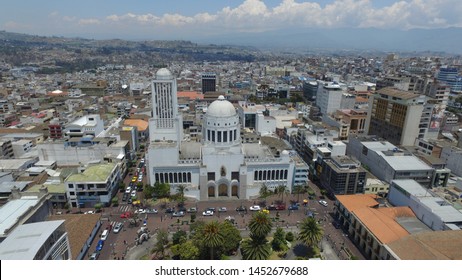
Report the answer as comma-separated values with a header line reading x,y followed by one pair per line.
x,y
327,252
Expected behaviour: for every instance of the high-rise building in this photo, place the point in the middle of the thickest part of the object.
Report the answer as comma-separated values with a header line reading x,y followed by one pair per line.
x,y
165,123
395,115
331,96
451,77
209,82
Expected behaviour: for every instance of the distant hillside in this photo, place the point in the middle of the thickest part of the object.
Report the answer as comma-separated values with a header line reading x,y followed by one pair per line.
x,y
19,48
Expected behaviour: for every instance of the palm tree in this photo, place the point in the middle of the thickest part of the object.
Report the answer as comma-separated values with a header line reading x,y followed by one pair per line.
x,y
265,192
255,248
281,190
260,224
310,232
180,191
298,189
212,236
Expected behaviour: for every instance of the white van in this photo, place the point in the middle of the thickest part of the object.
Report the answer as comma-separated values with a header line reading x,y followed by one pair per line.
x,y
104,234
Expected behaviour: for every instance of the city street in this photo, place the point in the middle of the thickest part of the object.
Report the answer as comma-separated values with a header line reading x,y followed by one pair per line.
x,y
118,244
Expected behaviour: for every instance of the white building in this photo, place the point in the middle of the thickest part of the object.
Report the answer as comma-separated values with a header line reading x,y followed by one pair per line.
x,y
329,97
22,147
432,210
388,163
96,184
87,125
220,166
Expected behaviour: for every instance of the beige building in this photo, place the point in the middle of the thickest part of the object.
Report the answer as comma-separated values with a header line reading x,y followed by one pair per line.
x,y
395,115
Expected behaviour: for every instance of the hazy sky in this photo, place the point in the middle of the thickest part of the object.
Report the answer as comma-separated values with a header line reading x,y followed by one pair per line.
x,y
185,19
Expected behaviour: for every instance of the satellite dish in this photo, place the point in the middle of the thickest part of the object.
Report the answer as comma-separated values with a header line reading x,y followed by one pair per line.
x,y
124,86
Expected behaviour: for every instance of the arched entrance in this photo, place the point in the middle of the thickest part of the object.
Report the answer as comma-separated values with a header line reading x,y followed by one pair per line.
x,y
211,191
223,190
235,191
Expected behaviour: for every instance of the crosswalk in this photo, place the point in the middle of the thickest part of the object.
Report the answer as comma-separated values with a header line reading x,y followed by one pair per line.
x,y
124,208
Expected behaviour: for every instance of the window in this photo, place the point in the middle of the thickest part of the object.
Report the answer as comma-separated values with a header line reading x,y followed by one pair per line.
x,y
211,176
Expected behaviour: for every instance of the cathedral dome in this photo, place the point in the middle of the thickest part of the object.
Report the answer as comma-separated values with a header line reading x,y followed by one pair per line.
x,y
164,74
221,108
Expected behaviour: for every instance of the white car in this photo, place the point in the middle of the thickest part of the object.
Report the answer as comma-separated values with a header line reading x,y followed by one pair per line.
x,y
323,203
141,211
90,212
133,194
207,213
255,208
117,227
128,189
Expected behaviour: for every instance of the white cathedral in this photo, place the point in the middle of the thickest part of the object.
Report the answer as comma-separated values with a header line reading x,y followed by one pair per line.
x,y
220,166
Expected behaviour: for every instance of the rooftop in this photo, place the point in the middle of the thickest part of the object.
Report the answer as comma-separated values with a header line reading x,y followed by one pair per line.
x,y
12,211
393,92
141,125
381,221
78,228
430,245
93,173
24,242
404,162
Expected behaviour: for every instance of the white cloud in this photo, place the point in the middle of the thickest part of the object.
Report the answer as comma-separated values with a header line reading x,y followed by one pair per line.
x,y
89,21
255,16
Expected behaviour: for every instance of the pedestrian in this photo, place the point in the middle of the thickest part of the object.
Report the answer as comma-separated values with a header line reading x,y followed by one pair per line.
x,y
161,218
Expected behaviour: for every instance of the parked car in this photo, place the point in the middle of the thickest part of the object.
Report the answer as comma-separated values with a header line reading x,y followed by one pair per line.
x,y
100,245
152,211
211,209
293,207
128,189
241,208
280,207
255,208
94,256
104,234
133,194
323,203
192,210
271,207
182,208
170,210
207,213
89,212
125,197
117,227
125,215
222,209
140,211
178,214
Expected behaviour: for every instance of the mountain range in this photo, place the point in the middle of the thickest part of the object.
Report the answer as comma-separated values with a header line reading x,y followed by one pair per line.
x,y
447,40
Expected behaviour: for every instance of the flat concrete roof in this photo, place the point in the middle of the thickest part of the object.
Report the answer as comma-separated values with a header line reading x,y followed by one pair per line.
x,y
412,187
405,162
93,173
24,242
397,93
443,209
